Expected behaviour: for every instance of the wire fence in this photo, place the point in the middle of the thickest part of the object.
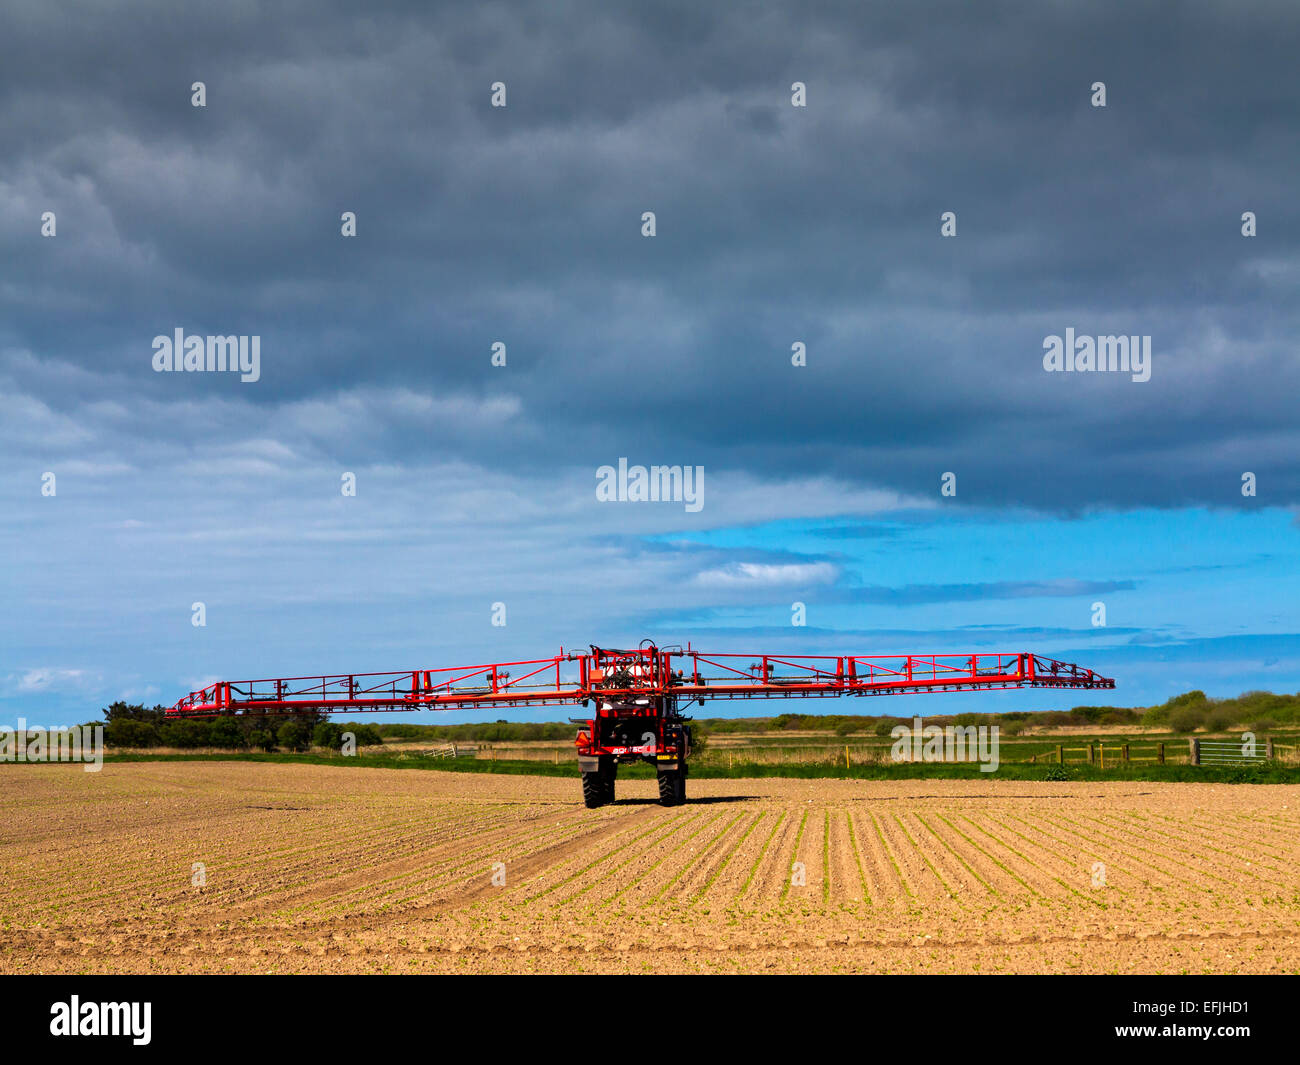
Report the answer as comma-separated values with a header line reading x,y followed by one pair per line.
x,y
1100,754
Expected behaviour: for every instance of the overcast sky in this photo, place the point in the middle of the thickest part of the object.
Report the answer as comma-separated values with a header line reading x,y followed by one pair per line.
x,y
523,224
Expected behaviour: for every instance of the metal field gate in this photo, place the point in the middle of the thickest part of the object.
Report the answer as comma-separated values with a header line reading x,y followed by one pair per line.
x,y
1244,752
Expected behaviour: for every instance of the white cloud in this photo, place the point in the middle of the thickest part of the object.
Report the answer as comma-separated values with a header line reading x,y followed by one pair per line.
x,y
761,574
45,680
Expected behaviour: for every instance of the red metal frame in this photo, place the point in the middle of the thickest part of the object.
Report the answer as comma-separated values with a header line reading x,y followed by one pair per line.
x,y
645,672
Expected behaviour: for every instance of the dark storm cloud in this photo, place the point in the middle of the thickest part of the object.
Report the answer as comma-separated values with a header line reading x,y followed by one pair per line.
x,y
776,224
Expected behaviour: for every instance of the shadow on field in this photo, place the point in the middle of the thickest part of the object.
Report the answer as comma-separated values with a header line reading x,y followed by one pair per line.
x,y
706,800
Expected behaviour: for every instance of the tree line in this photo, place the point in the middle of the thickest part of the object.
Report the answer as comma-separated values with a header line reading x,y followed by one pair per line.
x,y
135,725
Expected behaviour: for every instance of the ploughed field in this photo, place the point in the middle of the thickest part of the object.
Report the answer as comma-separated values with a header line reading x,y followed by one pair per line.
x,y
329,869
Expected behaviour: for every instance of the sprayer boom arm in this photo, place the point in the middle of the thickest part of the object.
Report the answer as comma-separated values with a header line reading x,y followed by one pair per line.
x,y
646,672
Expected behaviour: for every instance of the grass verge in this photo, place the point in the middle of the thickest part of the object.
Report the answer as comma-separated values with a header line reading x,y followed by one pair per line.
x,y
1266,774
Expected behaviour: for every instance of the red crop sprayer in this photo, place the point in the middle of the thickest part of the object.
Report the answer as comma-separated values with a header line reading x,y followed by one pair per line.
x,y
636,697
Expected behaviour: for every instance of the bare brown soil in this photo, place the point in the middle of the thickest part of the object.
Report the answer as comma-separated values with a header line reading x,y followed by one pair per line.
x,y
328,869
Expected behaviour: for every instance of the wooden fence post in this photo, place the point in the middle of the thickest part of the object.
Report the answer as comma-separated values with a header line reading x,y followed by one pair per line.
x,y
1092,753
1060,754
1101,751
1126,752
1194,748
846,757
1268,748
1160,752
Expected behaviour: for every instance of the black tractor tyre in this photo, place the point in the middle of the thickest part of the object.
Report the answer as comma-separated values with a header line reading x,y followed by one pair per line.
x,y
593,790
671,792
680,789
609,776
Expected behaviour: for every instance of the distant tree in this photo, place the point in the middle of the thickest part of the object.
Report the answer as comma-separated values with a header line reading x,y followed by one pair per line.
x,y
1186,719
186,733
1218,721
225,732
1154,717
329,734
129,733
120,711
293,736
262,739
367,735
